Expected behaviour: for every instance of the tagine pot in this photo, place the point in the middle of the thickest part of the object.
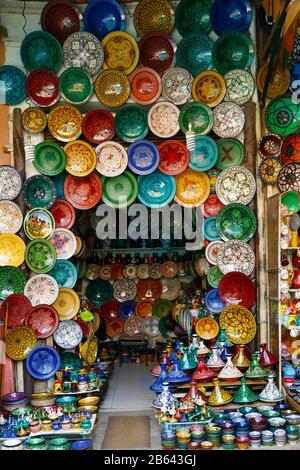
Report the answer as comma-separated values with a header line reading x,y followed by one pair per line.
x,y
219,396
223,351
230,372
203,373
165,399
271,392
255,371
156,371
235,348
244,394
187,362
202,349
177,375
267,359
222,337
215,362
195,394
240,359
157,385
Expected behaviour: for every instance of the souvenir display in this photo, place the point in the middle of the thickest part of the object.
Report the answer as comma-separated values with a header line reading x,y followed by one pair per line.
x,y
43,362
34,120
43,319
193,16
143,157
209,88
174,157
269,170
68,334
133,326
83,192
161,308
19,342
18,307
39,191
49,158
98,126
213,301
83,50
238,323
124,290
120,52
231,152
127,309
112,88
236,222
214,276
41,50
232,50
41,289
131,123
177,85
10,183
75,85
269,146
157,51
66,304
196,117
170,288
199,57
81,158
192,188
240,86
237,289
12,85
155,15
236,256
112,159
64,122
145,86
144,309
156,189
104,16
12,250
163,119
120,191
236,185
12,281
11,217
150,326
42,88
40,256
229,120
61,18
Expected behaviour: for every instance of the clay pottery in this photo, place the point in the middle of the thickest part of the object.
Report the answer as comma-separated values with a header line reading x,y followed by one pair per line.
x,y
219,396
157,385
177,375
215,362
255,371
271,392
235,349
195,394
202,349
230,372
267,359
203,373
296,279
156,371
244,394
240,359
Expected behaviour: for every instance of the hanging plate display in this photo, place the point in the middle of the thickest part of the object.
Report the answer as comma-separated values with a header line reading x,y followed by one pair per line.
x,y
209,88
236,222
232,51
231,152
237,289
120,191
131,123
192,188
68,334
278,84
38,223
61,18
238,323
149,289
269,146
11,217
150,326
177,85
112,159
210,229
204,155
39,191
92,351
196,117
121,52
83,192
18,307
169,269
143,157
43,362
12,85
129,271
229,120
65,273
192,16
282,116
289,178
124,290
112,88
240,86
269,170
162,308
211,251
40,256
163,119
153,270
290,149
157,51
99,292
144,309
236,184
212,206
98,126
174,157
64,122
85,51
12,250
156,190
81,158
145,86
41,50
213,301
104,16
49,158
214,276
42,88
143,270
12,281
41,289
63,213
133,326
67,304
34,120
114,326
236,256
75,85
231,16
105,272
59,181
110,310
170,288
64,242
10,183
207,328
127,309
153,15
43,319
19,342
194,53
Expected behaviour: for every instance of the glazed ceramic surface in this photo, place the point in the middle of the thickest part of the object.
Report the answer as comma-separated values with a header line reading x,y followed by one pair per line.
x,y
68,334
40,256
98,126
43,362
65,273
64,242
236,256
19,342
34,120
229,120
170,288
112,88
153,15
43,319
63,213
64,122
143,157
39,191
231,152
192,188
207,328
124,290
193,16
66,304
12,85
41,50
194,53
131,123
99,291
211,251
239,324
75,85
101,17
236,222
240,86
41,289
81,158
12,281
145,86
156,189
230,15
12,250
209,88
289,178
163,119
11,217
157,51
237,289
282,116
120,191
177,85
236,185
10,183
85,51
61,18
174,157
18,307
232,51
49,158
83,192
196,117
120,52
42,88
112,159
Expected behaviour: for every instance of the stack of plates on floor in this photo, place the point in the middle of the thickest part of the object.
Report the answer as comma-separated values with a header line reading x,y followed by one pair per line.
x,y
42,399
14,400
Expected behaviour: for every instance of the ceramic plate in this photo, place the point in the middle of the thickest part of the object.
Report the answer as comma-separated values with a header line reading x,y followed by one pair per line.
x,y
145,86
194,53
129,271
112,88
231,16
192,16
104,16
41,289
177,85
169,269
81,158
43,319
196,117
162,308
67,304
124,290
133,326
279,82
38,223
229,120
19,342
18,307
75,85
156,190
143,157
65,243
231,152
61,18
142,271
65,274
236,222
39,191
204,155
43,362
170,288
163,119
11,217
112,159
99,292
144,309
213,301
269,146
157,52
237,289
240,86
40,50
110,310
239,324
210,229
211,251
150,326
34,120
282,116
153,15
114,326
42,88
212,206
68,334
232,51
12,250
49,158
154,270
12,85
83,50
290,149
236,256
192,188
59,181
149,289
214,276
120,52
63,213
40,256
64,122
289,178
10,183
120,191
236,184
127,309
98,126
209,88
207,328
174,157
105,272
269,169
12,281
83,192
131,123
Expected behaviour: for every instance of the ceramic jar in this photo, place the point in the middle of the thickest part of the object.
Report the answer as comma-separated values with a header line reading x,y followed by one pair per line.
x,y
67,387
76,423
12,444
56,426
35,426
46,425
86,424
58,386
66,424
82,385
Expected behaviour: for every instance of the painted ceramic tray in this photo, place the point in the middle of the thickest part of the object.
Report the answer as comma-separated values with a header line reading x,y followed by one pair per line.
x,y
40,256
63,213
237,289
145,86
40,50
101,17
19,342
75,85
193,16
153,15
120,191
18,307
41,289
133,326
112,159
83,192
81,158
236,256
209,88
10,183
212,206
112,88
61,18
194,53
127,309
236,222
229,120
99,292
204,155
143,157
282,116
83,50
157,51
12,85
236,184
42,88
114,326
162,308
149,289
207,328
269,169
144,309
120,52
163,119
39,191
43,319
150,326
110,310
67,304
174,157
177,85
231,16
211,251
68,334
156,190
214,276
43,362
64,242
231,152
34,120
38,223
240,86
289,178
154,270
269,146
11,217
64,122
239,324
131,123
210,229
98,126
232,51
49,158
12,281
290,149
169,269
124,290
192,188
170,288
213,301
196,117
12,250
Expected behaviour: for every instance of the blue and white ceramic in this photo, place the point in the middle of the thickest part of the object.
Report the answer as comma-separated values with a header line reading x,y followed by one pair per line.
x,y
143,157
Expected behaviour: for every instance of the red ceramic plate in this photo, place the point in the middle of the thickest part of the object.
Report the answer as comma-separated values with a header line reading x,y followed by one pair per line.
x,y
42,88
84,326
43,319
290,149
110,310
63,213
98,126
212,206
61,18
145,85
18,307
149,289
83,192
174,157
237,289
157,51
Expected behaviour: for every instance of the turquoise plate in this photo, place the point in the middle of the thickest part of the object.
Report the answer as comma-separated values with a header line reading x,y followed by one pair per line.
x,y
12,85
65,273
194,53
232,51
236,222
211,232
99,292
157,189
193,16
205,154
59,181
131,123
41,50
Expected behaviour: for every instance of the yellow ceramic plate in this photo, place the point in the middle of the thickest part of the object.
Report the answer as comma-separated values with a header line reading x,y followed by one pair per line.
x,y
278,84
83,350
192,188
79,245
239,324
120,52
207,328
67,304
12,250
64,122
153,15
92,351
112,88
19,342
81,158
97,321
34,120
209,87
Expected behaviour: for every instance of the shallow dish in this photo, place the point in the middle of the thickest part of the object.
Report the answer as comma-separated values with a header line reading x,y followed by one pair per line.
x,y
156,189
232,51
83,192
120,191
145,86
83,50
143,157
153,15
163,119
157,51
42,88
194,53
39,191
49,158
193,16
75,85
112,88
131,123
230,16
12,85
101,17
120,52
41,50
64,122
81,158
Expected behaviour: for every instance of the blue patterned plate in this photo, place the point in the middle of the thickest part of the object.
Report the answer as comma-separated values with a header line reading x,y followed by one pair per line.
x,y
205,154
65,273
127,309
213,301
157,189
12,85
143,157
43,362
228,16
210,229
104,16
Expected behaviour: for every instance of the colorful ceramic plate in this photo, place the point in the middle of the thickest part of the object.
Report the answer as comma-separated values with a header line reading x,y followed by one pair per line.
x,y
43,362
143,157
210,229
170,288
214,276
177,85
153,15
142,271
162,308
85,51
236,222
196,116
10,183
39,191
64,242
64,122
229,120
237,289
236,184
41,289
121,52
40,256
192,188
169,269
232,51
144,309
231,16
211,251
231,152
157,51
110,310
98,126
43,319
290,149
40,50
153,270
34,120
112,88
149,289
127,309
270,146
42,88
112,159
212,206
59,181
240,86
163,119
18,307
269,170
63,213
68,334
12,85
174,157
12,250
213,301
279,82
129,271
12,281
192,16
19,342
204,155
61,18
75,85
38,223
156,190
145,86
120,191
11,217
150,326
67,304
194,53
114,326
101,17
131,123
124,290
239,324
236,256
133,326
207,328
83,192
99,292
209,88
81,158
282,116
289,178
65,273
49,158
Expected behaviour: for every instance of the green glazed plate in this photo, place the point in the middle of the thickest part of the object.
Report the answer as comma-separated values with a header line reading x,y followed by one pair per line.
x,y
162,308
75,85
131,123
12,281
193,16
39,191
40,256
194,53
236,222
283,116
99,292
231,152
65,273
49,158
161,326
38,223
232,51
41,50
70,360
119,191
199,116
214,276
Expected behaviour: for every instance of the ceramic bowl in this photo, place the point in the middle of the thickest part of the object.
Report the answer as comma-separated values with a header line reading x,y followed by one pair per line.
x,y
293,419
247,409
285,413
271,414
264,408
276,423
281,406
92,409
292,429
89,401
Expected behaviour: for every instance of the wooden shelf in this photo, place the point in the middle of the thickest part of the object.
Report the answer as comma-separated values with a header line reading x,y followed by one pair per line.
x,y
76,393
223,384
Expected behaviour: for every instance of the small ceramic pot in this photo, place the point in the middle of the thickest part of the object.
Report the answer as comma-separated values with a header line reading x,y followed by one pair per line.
x,y
76,424
66,425
67,387
35,426
56,426
82,385
46,425
86,424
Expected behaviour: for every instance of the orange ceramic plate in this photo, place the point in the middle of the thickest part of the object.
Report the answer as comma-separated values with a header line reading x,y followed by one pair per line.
x,y
192,188
145,85
114,326
209,87
144,309
112,88
81,158
207,328
120,52
64,122
12,250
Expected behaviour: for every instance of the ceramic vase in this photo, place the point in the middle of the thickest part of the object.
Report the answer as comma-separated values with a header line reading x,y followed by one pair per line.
x,y
240,359
271,392
187,362
203,373
255,371
244,394
157,385
219,396
230,372
267,359
215,362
